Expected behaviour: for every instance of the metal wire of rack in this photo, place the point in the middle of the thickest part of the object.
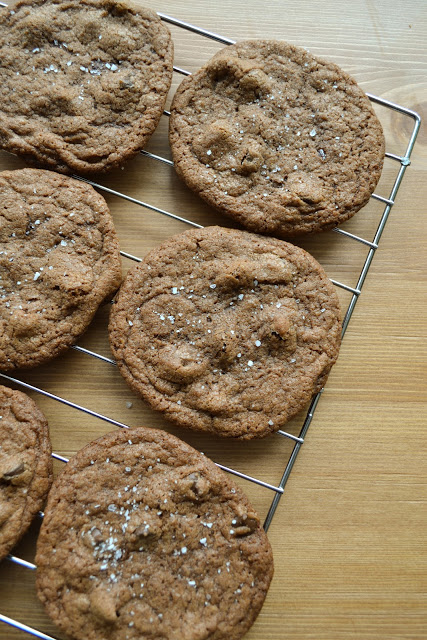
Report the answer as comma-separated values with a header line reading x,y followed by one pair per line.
x,y
403,161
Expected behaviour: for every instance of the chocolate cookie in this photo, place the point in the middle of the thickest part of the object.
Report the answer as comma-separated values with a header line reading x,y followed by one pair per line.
x,y
225,331
84,81
59,259
144,537
282,142
25,465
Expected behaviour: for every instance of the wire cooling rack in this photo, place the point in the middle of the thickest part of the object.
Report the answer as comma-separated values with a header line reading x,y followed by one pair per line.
x,y
354,289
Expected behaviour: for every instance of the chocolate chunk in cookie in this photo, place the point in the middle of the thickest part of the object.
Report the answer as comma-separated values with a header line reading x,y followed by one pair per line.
x,y
145,537
59,260
84,81
25,465
282,142
226,331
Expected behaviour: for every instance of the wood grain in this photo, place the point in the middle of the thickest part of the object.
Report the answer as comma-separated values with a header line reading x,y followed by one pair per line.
x,y
349,533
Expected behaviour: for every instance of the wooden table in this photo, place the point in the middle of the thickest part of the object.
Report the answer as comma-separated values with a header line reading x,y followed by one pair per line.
x,y
349,533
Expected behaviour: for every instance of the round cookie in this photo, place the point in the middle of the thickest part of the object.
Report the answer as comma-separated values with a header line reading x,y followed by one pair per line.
x,y
280,141
84,81
143,536
25,465
226,331
59,260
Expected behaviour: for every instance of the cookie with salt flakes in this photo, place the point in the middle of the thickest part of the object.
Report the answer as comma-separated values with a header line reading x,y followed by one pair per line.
x,y
84,81
225,331
279,140
59,261
143,536
25,465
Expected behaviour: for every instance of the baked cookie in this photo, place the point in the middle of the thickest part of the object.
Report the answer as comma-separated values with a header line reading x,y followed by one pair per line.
x,y
282,142
25,465
226,331
144,537
59,259
84,81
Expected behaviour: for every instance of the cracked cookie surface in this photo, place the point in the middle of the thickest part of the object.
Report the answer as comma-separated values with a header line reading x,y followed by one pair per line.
x,y
59,260
25,465
143,536
225,331
84,81
282,142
